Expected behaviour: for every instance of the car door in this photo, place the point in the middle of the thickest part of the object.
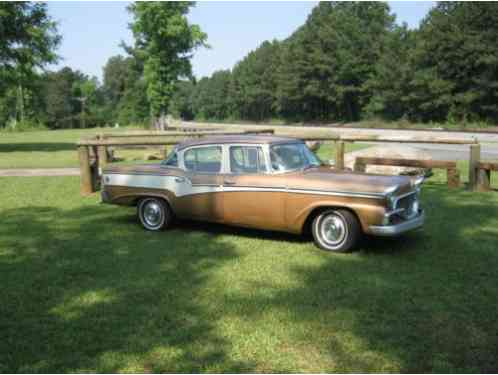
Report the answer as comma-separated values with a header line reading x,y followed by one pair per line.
x,y
200,190
251,195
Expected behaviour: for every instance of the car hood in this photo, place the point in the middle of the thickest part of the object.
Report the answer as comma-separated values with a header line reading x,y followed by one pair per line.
x,y
327,178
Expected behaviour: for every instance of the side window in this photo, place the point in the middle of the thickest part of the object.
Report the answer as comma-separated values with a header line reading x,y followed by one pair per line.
x,y
247,159
203,159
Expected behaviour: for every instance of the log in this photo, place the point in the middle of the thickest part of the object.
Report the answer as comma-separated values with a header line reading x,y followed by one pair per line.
x,y
475,156
339,155
407,162
86,186
127,142
200,133
359,166
331,136
452,172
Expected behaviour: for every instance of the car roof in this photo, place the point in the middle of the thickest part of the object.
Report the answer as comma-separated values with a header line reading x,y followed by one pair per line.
x,y
249,138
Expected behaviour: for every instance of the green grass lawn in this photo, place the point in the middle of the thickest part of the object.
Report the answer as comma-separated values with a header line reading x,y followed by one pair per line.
x,y
52,149
85,289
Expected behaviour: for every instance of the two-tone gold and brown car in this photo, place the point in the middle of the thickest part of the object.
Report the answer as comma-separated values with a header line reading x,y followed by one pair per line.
x,y
267,182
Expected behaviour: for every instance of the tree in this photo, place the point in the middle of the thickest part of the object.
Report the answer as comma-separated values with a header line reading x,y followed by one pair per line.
x,y
326,63
61,91
254,83
124,89
211,98
164,40
393,72
181,105
28,39
456,58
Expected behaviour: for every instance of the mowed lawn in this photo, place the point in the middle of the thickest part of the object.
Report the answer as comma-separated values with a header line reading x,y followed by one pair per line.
x,y
85,289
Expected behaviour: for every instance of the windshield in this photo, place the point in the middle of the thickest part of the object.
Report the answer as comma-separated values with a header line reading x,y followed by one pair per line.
x,y
292,156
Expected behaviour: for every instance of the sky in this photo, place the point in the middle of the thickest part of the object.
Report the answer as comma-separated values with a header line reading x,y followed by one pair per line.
x,y
93,31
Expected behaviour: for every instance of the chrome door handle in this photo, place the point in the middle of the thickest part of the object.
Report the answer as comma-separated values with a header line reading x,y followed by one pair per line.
x,y
179,179
229,182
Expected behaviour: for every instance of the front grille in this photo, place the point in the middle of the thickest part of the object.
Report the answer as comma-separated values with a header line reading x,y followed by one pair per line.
x,y
408,205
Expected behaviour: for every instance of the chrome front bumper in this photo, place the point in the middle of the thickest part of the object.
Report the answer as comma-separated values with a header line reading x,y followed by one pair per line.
x,y
397,229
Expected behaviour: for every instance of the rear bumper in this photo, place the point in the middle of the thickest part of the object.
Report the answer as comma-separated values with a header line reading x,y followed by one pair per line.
x,y
397,229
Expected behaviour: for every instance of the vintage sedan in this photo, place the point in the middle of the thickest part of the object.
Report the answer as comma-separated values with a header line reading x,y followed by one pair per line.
x,y
267,182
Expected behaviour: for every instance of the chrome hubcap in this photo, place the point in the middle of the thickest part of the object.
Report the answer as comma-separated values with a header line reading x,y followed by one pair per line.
x,y
333,230
152,214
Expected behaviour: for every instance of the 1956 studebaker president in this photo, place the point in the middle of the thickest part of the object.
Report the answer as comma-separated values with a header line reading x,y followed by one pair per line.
x,y
267,182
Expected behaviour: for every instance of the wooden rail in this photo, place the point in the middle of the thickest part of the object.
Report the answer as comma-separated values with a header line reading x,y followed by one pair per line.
x,y
200,133
371,138
453,175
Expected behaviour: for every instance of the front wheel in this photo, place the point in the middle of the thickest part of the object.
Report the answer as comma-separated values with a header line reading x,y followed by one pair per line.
x,y
154,213
336,230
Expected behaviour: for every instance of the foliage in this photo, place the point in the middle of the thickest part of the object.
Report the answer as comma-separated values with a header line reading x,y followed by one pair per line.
x,y
28,39
125,90
181,105
350,61
458,50
164,40
254,83
211,96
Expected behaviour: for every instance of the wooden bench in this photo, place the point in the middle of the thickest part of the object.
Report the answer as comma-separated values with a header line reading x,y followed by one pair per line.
x,y
453,174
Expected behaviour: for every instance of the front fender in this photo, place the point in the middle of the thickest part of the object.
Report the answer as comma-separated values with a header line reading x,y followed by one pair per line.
x,y
368,213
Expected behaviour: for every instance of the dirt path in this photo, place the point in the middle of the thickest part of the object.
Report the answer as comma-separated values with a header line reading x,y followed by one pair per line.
x,y
39,172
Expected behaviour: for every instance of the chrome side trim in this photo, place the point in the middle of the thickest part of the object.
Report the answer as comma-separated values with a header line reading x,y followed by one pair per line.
x,y
339,193
169,182
303,191
397,229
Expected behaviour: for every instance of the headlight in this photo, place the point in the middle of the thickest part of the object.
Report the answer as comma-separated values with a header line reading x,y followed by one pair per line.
x,y
391,201
390,196
415,206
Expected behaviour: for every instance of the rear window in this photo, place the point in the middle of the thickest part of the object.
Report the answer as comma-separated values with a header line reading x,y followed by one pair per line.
x,y
247,159
203,159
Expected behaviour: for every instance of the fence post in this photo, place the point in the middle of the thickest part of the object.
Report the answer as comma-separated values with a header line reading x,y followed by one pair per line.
x,y
339,155
86,186
102,150
475,156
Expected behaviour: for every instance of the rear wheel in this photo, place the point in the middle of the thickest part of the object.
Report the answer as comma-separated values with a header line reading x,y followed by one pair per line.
x,y
336,230
154,213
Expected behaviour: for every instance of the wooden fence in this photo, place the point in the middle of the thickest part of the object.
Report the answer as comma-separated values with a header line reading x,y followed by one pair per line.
x,y
93,153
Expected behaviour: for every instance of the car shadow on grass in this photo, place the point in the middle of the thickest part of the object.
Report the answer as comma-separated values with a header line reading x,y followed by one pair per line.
x,y
80,293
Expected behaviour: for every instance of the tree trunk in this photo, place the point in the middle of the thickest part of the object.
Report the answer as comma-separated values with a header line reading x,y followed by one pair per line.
x,y
20,103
